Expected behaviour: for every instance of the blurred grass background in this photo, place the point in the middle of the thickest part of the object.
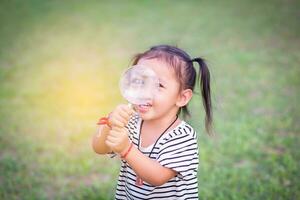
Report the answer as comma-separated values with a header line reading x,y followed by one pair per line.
x,y
60,62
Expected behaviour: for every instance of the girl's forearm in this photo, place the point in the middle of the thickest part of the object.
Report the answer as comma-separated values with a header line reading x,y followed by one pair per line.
x,y
98,142
147,169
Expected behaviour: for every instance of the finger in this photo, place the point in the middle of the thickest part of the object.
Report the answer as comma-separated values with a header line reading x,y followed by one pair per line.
x,y
120,108
119,134
121,114
115,122
122,119
128,110
109,143
122,111
117,129
112,139
124,115
114,134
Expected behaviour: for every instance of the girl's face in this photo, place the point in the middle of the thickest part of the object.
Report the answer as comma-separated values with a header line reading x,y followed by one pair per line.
x,y
165,101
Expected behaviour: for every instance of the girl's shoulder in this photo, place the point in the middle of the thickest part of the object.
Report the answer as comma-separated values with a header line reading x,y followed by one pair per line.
x,y
186,126
182,130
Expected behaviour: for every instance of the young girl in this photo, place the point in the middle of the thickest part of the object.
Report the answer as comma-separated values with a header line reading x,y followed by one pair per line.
x,y
158,150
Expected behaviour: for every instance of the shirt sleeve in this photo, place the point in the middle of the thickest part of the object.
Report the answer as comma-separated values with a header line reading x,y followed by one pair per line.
x,y
180,153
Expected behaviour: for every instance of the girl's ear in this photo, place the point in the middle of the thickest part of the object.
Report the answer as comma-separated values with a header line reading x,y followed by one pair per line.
x,y
184,97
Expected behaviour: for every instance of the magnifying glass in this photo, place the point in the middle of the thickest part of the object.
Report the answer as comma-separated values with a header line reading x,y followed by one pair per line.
x,y
139,85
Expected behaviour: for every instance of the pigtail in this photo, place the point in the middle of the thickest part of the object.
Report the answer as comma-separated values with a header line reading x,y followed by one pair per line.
x,y
205,91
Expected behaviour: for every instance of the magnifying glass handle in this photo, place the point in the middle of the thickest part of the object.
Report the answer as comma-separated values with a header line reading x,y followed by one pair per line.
x,y
130,105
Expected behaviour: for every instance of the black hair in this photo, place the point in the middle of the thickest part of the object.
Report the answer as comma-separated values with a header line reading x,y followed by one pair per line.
x,y
186,74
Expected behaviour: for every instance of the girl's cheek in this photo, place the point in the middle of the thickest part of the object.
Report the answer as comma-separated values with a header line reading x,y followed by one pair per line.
x,y
157,97
157,94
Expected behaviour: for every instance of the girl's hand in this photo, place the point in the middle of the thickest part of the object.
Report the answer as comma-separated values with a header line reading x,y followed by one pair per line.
x,y
120,116
118,140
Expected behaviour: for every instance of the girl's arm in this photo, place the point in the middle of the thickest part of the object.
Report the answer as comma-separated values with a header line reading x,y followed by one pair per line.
x,y
98,142
147,169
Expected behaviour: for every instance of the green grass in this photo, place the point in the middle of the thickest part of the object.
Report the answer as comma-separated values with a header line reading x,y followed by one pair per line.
x,y
60,62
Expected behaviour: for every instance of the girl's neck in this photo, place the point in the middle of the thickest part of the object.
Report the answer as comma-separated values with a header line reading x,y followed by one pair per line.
x,y
151,130
162,122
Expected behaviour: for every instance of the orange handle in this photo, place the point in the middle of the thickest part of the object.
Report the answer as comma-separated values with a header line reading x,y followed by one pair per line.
x,y
103,121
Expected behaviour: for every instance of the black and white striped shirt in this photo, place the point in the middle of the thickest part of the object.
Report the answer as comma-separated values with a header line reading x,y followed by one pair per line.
x,y
177,149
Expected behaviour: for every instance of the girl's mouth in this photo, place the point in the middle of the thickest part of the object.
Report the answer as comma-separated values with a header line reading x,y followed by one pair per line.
x,y
142,108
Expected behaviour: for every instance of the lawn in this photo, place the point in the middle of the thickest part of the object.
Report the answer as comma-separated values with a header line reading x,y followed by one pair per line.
x,y
60,63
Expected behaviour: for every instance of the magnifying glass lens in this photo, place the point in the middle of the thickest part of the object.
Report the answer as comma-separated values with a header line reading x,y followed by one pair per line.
x,y
139,84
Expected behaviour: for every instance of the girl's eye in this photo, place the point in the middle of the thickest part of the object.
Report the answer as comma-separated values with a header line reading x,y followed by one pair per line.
x,y
137,81
160,85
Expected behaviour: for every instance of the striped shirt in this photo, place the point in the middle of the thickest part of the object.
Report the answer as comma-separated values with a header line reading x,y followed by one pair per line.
x,y
177,149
